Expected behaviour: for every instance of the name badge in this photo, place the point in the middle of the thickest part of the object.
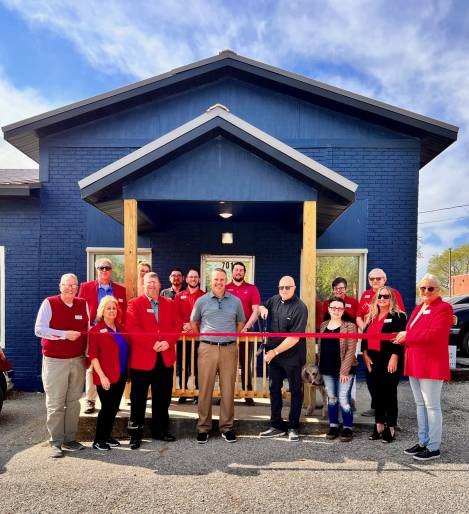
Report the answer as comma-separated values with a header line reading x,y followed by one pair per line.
x,y
121,300
183,297
388,320
103,330
348,305
427,311
78,316
150,310
367,296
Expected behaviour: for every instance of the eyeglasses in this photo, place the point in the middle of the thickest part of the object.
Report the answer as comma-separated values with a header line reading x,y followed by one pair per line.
x,y
336,309
70,286
287,288
384,296
104,268
429,289
375,278
339,288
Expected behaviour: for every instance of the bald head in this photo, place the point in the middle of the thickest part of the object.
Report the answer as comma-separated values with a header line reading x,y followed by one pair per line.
x,y
286,287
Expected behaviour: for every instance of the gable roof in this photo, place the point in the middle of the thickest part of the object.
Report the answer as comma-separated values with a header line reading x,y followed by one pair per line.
x,y
335,192
435,135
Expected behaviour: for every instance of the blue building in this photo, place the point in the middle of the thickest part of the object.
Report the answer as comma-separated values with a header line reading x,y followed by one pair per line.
x,y
301,172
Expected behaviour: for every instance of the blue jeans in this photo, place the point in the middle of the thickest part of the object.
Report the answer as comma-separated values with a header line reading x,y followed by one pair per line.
x,y
339,394
427,394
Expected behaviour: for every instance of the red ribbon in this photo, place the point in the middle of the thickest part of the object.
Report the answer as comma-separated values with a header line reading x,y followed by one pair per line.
x,y
319,335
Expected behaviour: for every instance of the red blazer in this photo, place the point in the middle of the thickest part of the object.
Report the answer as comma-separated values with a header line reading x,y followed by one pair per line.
x,y
140,318
89,291
102,346
426,345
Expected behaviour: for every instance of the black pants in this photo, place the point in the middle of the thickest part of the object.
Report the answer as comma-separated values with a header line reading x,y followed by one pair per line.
x,y
110,401
188,363
383,386
277,373
160,378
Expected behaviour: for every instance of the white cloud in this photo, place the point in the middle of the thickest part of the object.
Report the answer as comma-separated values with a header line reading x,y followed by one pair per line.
x,y
16,104
411,54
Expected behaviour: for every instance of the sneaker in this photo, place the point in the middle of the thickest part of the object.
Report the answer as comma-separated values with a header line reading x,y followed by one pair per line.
x,y
427,455
229,436
333,433
375,435
293,435
113,443
90,408
346,436
370,413
415,449
272,432
72,446
202,437
56,452
103,447
135,443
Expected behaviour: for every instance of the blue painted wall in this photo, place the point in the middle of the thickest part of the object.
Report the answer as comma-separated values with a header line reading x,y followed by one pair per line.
x,y
47,238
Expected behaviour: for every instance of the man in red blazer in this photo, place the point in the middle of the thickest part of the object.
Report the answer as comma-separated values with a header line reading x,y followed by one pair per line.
x,y
93,292
151,359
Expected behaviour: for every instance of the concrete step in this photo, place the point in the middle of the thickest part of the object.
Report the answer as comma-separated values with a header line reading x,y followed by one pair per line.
x,y
183,419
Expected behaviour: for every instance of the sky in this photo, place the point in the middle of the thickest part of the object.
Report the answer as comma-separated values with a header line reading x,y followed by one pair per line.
x,y
414,55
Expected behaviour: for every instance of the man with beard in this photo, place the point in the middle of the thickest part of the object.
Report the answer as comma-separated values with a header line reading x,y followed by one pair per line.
x,y
176,278
250,300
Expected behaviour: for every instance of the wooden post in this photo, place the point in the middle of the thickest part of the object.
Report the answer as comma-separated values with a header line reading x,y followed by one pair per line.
x,y
130,257
130,247
308,276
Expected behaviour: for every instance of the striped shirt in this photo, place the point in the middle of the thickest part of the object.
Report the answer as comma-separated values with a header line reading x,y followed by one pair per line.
x,y
218,315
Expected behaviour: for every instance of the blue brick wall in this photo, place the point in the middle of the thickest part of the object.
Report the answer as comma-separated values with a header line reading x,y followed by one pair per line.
x,y
20,235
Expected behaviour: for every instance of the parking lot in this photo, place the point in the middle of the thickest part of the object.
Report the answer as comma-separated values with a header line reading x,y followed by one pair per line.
x,y
314,475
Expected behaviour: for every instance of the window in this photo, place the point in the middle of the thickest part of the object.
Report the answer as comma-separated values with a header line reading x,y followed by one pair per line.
x,y
2,297
116,255
209,262
350,264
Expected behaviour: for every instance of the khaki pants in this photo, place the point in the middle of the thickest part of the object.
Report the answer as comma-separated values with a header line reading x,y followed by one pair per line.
x,y
63,381
224,360
91,392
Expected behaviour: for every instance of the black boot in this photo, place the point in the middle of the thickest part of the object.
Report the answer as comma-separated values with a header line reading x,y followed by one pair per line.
x,y
375,435
136,434
388,437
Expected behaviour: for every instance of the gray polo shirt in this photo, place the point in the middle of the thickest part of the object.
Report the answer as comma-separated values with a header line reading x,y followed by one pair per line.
x,y
218,315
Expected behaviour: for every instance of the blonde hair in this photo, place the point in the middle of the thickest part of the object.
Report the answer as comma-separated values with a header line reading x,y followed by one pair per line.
x,y
374,307
143,262
102,305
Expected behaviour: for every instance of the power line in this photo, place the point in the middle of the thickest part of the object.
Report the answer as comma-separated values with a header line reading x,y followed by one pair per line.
x,y
445,208
442,221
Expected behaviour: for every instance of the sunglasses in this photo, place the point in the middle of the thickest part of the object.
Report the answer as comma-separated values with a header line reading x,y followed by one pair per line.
x,y
385,296
104,268
429,289
287,288
375,278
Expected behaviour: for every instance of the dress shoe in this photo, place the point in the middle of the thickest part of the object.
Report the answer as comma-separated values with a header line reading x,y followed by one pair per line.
x,y
135,444
166,437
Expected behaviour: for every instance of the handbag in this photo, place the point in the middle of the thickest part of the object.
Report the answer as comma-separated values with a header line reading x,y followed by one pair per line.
x,y
5,365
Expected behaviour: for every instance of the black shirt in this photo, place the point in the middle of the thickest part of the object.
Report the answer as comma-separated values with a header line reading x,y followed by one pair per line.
x,y
329,364
288,316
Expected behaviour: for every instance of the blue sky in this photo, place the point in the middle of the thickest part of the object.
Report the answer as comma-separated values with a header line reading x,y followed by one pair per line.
x,y
411,54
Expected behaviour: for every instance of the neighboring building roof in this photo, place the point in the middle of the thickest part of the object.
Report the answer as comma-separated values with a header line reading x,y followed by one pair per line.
x,y
435,135
335,192
18,182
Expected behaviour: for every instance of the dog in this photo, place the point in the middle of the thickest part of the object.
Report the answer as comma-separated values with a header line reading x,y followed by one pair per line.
x,y
313,379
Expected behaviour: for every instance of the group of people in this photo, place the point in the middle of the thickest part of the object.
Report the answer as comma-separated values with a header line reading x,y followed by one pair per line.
x,y
391,345
93,332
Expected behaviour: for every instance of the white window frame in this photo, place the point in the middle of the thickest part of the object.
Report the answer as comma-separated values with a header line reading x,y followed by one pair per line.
x,y
2,297
362,254
91,251
212,257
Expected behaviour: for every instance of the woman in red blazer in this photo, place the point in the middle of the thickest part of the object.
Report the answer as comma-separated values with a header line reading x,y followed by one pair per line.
x,y
108,351
426,363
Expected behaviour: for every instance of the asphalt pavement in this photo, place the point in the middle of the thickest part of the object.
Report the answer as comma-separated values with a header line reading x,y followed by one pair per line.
x,y
314,475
